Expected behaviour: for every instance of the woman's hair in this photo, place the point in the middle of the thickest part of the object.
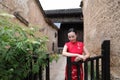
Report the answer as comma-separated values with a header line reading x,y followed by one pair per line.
x,y
72,30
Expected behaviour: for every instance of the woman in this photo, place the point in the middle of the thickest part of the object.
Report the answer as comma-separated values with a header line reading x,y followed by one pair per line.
x,y
75,49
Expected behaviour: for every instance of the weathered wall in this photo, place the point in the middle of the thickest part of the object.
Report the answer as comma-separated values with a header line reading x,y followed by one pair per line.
x,y
30,10
102,21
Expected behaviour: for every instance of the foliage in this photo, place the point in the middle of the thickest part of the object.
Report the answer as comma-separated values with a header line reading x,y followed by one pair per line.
x,y
17,47
54,56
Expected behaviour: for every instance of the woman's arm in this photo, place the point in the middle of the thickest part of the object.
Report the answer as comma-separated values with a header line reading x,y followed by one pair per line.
x,y
65,53
87,54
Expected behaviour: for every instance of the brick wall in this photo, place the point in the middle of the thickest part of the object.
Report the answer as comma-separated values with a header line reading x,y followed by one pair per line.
x,y
102,21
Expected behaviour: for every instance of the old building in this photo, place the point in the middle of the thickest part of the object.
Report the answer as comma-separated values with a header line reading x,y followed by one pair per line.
x,y
101,22
66,18
30,12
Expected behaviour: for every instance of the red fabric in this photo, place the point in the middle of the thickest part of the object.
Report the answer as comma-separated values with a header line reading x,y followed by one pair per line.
x,y
76,47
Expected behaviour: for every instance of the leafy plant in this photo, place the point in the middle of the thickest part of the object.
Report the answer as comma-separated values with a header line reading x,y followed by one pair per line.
x,y
17,47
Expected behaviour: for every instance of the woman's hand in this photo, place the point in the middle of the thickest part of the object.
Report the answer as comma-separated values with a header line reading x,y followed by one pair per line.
x,y
84,58
79,57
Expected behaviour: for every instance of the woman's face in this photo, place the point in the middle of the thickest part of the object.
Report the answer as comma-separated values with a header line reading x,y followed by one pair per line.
x,y
72,36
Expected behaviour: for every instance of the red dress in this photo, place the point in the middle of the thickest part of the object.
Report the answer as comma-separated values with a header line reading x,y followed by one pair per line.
x,y
76,47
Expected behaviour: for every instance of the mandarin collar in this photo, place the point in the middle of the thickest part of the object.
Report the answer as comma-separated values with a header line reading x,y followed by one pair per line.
x,y
73,42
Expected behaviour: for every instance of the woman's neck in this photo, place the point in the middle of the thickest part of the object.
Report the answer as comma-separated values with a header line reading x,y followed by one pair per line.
x,y
73,42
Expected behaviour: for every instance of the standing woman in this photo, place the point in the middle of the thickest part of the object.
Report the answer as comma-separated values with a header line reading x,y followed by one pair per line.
x,y
75,50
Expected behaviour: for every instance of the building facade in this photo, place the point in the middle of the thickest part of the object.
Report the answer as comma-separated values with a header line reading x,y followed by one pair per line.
x,y
30,12
66,18
102,22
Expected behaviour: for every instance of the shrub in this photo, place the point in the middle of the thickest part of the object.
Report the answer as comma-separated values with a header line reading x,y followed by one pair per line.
x,y
17,47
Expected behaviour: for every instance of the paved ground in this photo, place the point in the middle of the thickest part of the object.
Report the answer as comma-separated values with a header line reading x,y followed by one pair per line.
x,y
57,69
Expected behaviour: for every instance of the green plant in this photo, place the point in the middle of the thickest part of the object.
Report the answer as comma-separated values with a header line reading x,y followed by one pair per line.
x,y
17,47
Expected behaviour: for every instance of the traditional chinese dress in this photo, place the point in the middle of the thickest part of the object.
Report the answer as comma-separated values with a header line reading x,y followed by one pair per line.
x,y
76,47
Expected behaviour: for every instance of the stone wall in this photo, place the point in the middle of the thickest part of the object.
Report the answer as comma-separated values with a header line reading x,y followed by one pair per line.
x,y
101,22
32,12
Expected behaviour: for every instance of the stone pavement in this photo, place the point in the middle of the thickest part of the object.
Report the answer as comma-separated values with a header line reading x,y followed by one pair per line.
x,y
57,69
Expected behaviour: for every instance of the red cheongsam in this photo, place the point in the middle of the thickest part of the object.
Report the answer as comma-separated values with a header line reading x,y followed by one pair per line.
x,y
76,47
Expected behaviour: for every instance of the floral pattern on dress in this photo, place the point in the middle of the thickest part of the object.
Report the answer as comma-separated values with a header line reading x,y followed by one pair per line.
x,y
76,47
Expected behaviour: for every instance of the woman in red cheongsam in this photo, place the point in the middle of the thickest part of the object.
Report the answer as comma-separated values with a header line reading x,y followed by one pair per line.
x,y
75,49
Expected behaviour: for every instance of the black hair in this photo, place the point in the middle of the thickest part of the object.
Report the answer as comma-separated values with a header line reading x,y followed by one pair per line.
x,y
72,30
